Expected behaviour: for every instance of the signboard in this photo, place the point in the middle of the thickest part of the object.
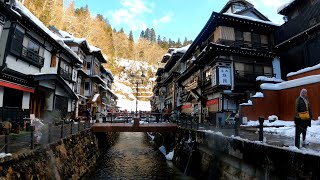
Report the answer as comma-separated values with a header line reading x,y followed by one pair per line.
x,y
186,108
214,77
74,75
224,76
212,105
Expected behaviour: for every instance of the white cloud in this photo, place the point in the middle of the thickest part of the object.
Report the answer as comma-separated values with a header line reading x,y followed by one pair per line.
x,y
162,20
131,14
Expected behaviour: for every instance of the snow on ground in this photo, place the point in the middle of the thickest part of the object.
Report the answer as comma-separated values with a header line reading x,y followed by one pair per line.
x,y
288,129
126,104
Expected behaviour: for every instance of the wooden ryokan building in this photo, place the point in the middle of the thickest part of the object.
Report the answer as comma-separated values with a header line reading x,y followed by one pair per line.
x,y
219,70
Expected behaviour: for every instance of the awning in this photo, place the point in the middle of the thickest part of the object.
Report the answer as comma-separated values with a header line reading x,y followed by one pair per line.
x,y
20,87
57,78
195,95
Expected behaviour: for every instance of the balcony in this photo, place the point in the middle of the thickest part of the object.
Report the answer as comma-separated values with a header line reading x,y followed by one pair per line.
x,y
65,74
249,75
246,44
32,57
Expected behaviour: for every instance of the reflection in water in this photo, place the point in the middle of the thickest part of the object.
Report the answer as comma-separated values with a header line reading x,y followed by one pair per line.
x,y
133,157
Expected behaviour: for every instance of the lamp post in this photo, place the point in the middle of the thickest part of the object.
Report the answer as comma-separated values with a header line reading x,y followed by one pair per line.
x,y
137,80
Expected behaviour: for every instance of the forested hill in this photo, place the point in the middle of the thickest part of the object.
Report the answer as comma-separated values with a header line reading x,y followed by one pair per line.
x,y
115,44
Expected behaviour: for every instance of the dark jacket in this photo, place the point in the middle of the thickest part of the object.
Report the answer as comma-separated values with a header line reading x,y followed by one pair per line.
x,y
301,107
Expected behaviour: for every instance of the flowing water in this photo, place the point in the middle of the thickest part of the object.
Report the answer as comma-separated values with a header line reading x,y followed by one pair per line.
x,y
133,157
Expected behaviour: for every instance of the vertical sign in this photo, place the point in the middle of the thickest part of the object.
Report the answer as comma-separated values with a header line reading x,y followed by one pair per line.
x,y
214,77
74,75
224,76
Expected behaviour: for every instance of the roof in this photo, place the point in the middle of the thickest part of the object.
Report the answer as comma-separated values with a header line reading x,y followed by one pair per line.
x,y
213,22
56,77
287,6
25,13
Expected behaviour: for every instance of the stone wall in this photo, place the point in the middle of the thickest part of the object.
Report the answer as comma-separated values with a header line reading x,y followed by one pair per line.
x,y
69,158
207,155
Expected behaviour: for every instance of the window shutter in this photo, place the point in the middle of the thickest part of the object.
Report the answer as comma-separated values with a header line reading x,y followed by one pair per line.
x,y
53,60
16,43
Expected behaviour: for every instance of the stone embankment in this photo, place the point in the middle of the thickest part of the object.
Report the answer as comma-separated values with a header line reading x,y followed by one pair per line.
x,y
68,158
208,155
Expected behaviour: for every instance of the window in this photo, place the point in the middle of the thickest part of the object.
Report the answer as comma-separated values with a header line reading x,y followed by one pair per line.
x,y
267,70
264,39
238,35
248,67
86,85
258,69
88,65
32,46
12,98
255,38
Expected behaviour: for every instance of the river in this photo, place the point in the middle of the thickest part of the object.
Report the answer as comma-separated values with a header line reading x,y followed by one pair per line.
x,y
133,157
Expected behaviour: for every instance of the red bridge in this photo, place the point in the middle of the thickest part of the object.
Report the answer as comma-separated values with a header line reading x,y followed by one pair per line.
x,y
135,127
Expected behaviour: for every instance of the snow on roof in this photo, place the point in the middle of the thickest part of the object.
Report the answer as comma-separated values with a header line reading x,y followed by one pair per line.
x,y
282,7
94,49
167,54
182,49
292,83
304,70
249,103
34,19
251,19
65,34
264,78
258,95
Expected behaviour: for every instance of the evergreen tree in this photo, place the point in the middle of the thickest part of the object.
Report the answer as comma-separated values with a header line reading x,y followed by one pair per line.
x,y
142,35
159,40
131,44
121,30
178,44
185,42
114,30
152,35
147,34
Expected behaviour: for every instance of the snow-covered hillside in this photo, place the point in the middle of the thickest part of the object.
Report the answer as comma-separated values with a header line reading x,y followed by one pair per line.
x,y
123,88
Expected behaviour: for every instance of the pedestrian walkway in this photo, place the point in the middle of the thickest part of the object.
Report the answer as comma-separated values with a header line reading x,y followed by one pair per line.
x,y
253,135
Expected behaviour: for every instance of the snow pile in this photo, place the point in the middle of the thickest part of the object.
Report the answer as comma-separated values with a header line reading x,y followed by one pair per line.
x,y
248,103
273,117
258,95
182,49
268,123
168,156
264,78
291,83
304,70
3,155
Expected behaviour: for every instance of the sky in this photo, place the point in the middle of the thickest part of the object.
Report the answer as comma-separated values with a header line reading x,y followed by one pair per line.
x,y
170,18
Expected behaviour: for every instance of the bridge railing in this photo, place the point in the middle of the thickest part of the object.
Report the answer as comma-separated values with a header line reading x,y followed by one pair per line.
x,y
127,117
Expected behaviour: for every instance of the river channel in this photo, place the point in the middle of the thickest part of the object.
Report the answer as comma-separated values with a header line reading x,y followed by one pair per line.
x,y
134,157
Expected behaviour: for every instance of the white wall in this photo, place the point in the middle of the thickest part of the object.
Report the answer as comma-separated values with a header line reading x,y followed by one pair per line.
x,y
47,63
26,100
1,96
69,105
49,100
21,66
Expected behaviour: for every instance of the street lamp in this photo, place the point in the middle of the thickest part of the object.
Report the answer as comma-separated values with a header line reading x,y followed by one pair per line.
x,y
137,80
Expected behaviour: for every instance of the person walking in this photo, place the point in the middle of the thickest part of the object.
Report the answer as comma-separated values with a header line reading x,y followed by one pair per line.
x,y
303,116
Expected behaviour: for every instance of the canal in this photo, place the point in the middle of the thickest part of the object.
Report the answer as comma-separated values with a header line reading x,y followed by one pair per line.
x,y
134,157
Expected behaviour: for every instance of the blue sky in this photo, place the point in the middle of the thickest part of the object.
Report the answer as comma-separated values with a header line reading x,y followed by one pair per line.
x,y
170,18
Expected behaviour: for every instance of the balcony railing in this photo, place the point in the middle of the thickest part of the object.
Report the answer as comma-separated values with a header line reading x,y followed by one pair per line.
x,y
246,44
65,74
32,57
250,75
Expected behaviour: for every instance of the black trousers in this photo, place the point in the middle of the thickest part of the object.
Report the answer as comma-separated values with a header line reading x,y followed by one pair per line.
x,y
301,128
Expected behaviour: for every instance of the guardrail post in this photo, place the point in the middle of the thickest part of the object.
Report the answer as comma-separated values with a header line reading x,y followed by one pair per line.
x,y
236,131
6,141
32,136
84,126
62,129
71,128
49,136
261,120
79,124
